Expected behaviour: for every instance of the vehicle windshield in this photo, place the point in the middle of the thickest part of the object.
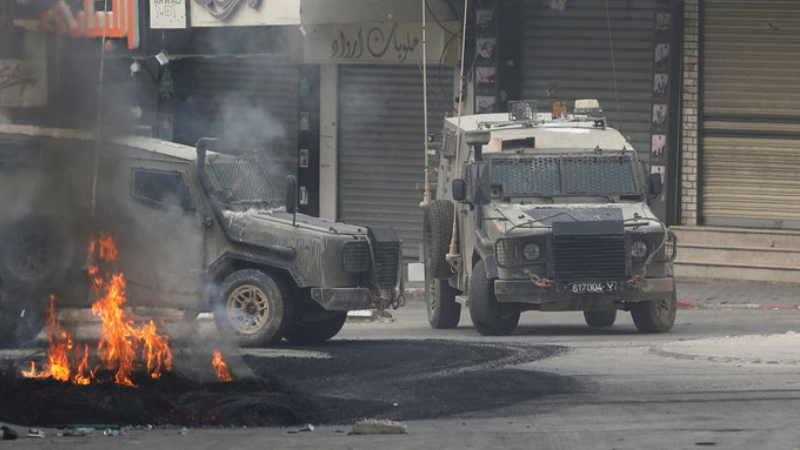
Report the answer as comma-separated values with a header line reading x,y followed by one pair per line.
x,y
565,175
242,181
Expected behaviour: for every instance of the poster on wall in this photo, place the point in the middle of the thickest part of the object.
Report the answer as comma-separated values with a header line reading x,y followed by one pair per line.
x,y
486,59
23,83
167,14
304,157
303,196
659,142
237,13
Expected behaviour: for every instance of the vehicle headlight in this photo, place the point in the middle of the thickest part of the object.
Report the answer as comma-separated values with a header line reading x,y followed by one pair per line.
x,y
531,251
638,249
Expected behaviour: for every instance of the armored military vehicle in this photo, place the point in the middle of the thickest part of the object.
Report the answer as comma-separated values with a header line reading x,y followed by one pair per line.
x,y
546,212
196,229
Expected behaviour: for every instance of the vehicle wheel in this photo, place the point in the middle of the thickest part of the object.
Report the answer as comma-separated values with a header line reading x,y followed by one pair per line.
x,y
487,314
254,307
655,316
20,321
600,318
312,327
443,310
34,255
436,234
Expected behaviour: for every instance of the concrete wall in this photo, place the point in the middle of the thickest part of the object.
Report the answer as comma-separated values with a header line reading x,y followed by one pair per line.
x,y
328,141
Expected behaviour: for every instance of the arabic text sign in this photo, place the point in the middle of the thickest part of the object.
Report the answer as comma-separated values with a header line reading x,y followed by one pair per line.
x,y
379,42
22,83
167,14
88,18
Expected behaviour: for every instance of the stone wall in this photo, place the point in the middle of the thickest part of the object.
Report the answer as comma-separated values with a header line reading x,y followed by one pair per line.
x,y
689,116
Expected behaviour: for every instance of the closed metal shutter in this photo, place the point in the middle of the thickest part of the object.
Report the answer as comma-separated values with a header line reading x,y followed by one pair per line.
x,y
381,150
253,100
750,153
566,55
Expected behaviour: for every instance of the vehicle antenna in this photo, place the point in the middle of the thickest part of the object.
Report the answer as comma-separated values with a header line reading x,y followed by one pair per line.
x,y
427,198
453,240
99,124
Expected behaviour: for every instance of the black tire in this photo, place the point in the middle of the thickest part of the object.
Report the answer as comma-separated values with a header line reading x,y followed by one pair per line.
x,y
444,311
253,306
437,231
315,327
21,319
34,255
488,316
597,319
655,316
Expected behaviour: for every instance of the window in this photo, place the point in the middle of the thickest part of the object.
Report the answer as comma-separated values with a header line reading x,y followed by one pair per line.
x,y
159,188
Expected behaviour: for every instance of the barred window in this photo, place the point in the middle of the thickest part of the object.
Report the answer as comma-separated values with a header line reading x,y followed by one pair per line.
x,y
549,175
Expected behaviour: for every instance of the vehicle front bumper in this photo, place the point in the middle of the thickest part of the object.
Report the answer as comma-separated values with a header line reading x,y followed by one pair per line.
x,y
527,291
344,299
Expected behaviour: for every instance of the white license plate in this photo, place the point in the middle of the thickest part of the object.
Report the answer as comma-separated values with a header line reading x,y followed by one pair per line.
x,y
593,287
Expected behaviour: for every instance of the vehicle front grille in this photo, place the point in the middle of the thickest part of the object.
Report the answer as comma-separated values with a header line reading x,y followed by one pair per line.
x,y
355,256
386,247
587,258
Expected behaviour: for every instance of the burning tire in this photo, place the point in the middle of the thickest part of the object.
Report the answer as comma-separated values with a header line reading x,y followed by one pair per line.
x,y
443,310
596,319
488,316
20,320
34,255
315,327
436,234
655,316
254,307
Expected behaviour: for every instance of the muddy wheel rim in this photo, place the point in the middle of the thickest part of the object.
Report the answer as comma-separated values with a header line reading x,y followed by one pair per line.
x,y
431,297
30,255
663,308
247,309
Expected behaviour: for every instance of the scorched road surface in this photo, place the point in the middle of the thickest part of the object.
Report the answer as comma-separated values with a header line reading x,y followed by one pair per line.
x,y
553,384
411,380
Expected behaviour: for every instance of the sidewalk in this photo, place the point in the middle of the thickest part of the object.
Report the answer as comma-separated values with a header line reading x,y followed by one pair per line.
x,y
706,294
730,294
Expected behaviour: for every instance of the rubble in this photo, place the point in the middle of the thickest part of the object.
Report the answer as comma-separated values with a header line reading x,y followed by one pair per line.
x,y
375,426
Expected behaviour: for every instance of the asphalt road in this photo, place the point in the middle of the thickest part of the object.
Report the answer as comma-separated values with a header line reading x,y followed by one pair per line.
x,y
724,378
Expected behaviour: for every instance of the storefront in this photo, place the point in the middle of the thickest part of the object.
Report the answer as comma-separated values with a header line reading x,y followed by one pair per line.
x,y
750,144
625,55
372,121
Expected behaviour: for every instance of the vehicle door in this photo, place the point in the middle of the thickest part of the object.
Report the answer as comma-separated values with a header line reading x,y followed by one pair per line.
x,y
151,207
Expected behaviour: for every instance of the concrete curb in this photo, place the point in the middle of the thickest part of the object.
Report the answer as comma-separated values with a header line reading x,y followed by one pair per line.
x,y
700,305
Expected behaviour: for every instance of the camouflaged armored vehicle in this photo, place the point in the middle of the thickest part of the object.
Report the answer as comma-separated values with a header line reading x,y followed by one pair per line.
x,y
551,214
195,229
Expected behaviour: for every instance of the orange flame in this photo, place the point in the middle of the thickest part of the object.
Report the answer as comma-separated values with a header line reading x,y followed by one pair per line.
x,y
221,367
61,355
120,341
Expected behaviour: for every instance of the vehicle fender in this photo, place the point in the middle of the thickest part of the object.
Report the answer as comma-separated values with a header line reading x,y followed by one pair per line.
x,y
489,262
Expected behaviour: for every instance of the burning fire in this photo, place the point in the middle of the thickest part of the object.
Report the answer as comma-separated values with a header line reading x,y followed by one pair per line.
x,y
122,346
221,367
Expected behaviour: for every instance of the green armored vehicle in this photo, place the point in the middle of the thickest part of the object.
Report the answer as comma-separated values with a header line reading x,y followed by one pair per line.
x,y
196,230
550,214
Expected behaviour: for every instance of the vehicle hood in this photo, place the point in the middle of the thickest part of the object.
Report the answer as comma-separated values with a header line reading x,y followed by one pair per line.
x,y
279,217
508,216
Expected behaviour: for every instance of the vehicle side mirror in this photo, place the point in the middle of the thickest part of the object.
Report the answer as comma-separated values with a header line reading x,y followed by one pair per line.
x,y
459,190
654,184
291,194
479,189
